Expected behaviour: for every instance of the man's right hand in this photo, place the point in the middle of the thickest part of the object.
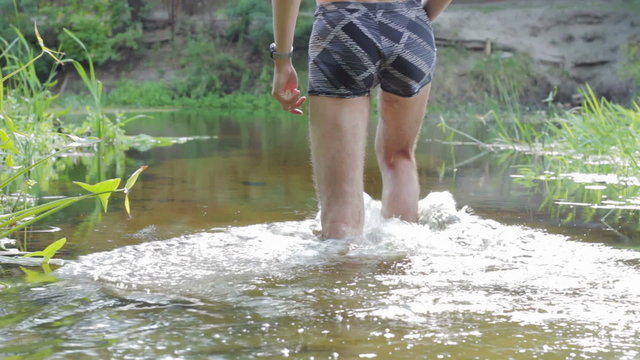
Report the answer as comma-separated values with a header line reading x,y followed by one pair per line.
x,y
285,87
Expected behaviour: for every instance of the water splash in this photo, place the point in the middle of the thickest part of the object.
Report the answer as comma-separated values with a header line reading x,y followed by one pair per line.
x,y
453,261
445,278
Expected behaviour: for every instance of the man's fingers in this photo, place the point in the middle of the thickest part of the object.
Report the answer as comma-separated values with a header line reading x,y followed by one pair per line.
x,y
290,100
300,101
294,109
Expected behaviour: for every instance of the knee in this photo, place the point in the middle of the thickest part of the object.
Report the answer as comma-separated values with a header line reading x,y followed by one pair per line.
x,y
392,158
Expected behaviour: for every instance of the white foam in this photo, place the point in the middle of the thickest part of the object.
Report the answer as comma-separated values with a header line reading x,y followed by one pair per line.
x,y
452,261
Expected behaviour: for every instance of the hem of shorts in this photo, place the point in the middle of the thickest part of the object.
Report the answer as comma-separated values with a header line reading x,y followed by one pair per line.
x,y
342,96
410,95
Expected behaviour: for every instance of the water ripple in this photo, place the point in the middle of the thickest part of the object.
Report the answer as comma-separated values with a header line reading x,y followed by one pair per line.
x,y
446,280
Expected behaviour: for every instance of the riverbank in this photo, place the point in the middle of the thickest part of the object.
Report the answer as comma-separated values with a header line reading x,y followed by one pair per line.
x,y
538,47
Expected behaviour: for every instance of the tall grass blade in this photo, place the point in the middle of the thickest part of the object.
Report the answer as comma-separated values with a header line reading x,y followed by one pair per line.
x,y
28,168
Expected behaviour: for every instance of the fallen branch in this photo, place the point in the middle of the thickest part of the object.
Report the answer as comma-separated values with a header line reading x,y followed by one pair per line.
x,y
27,261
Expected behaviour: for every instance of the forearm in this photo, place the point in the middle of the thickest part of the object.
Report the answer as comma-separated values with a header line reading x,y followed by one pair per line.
x,y
285,14
435,7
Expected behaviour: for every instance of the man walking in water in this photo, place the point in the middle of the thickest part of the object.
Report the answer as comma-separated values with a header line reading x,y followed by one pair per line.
x,y
355,46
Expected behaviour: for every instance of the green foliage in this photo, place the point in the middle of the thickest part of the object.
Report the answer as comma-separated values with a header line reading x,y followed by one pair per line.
x,y
630,69
97,122
30,137
599,140
207,67
102,189
30,127
106,27
20,219
250,22
503,76
50,251
150,93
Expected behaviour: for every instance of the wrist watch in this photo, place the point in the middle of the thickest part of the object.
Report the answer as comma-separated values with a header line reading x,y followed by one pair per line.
x,y
279,55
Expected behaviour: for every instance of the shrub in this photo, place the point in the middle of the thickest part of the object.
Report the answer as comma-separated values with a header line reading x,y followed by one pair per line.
x,y
105,27
208,68
152,93
631,66
504,76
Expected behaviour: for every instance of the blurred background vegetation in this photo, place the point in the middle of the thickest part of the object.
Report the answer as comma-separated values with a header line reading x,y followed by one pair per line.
x,y
171,52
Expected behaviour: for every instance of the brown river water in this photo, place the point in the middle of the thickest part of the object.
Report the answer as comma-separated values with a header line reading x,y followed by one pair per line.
x,y
219,261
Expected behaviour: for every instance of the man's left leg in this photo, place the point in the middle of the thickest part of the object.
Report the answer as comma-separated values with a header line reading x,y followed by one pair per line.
x,y
338,134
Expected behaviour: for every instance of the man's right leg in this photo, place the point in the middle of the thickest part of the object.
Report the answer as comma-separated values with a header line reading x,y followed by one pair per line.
x,y
338,133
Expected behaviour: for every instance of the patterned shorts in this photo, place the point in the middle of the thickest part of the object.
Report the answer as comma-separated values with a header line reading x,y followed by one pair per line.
x,y
355,46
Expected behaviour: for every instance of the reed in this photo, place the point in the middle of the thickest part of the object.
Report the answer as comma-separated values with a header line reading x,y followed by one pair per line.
x,y
585,160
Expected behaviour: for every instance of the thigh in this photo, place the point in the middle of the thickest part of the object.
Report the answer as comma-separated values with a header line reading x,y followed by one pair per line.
x,y
338,133
400,121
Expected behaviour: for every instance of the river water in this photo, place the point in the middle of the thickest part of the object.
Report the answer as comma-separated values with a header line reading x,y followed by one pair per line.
x,y
219,261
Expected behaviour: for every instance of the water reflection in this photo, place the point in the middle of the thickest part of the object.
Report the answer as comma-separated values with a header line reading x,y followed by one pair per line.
x,y
220,261
473,288
251,169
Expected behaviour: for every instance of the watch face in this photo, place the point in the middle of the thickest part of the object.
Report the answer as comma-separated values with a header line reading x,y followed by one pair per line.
x,y
276,55
272,50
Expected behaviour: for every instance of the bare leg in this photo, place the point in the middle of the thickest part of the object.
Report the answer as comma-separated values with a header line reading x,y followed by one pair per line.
x,y
338,129
398,129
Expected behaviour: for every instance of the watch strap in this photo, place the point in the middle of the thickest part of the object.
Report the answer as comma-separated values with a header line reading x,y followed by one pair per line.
x,y
275,55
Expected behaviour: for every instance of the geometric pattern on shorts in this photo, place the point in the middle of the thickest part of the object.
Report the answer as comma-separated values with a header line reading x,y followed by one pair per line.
x,y
355,46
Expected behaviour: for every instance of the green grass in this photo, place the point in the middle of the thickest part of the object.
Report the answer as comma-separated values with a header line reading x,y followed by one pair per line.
x,y
585,161
580,165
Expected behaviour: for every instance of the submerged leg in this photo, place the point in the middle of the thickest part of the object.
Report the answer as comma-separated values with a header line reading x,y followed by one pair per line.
x,y
338,129
396,137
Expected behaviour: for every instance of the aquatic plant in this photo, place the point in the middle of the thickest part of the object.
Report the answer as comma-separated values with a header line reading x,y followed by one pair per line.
x,y
580,164
585,159
13,221
28,101
49,252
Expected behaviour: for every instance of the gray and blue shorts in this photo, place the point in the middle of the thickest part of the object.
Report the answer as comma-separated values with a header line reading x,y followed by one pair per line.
x,y
355,46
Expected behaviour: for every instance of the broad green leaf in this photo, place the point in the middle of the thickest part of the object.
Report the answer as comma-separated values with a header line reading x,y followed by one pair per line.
x,y
9,122
103,189
133,178
7,143
107,185
50,251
